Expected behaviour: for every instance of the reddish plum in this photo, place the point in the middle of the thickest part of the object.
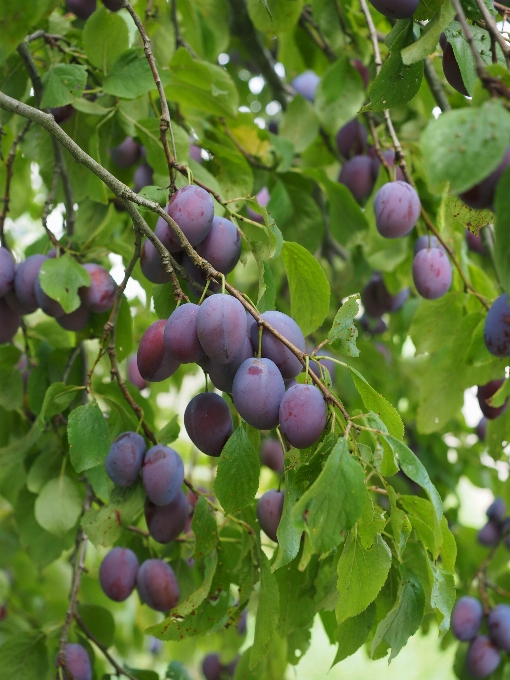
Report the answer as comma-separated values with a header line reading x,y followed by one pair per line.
x,y
257,392
208,423
269,512
154,362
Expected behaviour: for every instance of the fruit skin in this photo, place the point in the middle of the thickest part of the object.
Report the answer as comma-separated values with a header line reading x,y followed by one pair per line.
x,y
126,154
305,84
75,321
157,585
486,392
474,243
481,429
26,275
133,373
432,273
302,415
181,338
100,295
48,305
269,512
377,300
152,265
117,573
62,113
271,454
396,208
451,70
193,210
351,139
272,348
482,658
222,245
162,474
396,9
154,362
481,196
82,8
498,623
222,375
124,460
496,332
496,510
142,177
257,392
358,176
208,423
211,667
489,534
7,271
10,321
427,241
221,327
112,5
166,522
263,198
467,618
78,663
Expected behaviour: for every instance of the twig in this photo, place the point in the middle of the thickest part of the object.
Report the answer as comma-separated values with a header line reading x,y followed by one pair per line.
x,y
179,40
491,27
436,87
8,178
70,362
314,32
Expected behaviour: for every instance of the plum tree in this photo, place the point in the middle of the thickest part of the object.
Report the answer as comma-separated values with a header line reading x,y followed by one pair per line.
x,y
269,512
157,585
181,337
432,273
193,210
162,474
274,349
221,327
208,423
78,662
154,362
166,522
271,454
305,84
222,245
396,9
127,153
397,208
484,393
467,618
117,573
351,139
498,623
497,327
481,195
482,658
257,392
100,295
124,460
302,415
358,176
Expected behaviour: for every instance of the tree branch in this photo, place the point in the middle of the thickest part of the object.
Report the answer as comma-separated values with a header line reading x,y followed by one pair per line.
x,y
436,87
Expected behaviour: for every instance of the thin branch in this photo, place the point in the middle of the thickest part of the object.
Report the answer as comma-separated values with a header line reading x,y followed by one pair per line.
x,y
491,27
179,40
8,178
436,87
119,670
312,29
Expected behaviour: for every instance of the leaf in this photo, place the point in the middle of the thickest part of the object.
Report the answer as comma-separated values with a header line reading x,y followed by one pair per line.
x,y
352,633
425,524
302,219
289,536
361,575
375,402
170,432
309,287
62,84
193,601
104,526
427,42
403,619
267,612
17,20
105,37
396,83
502,240
203,526
345,215
339,95
99,621
433,320
88,435
300,125
177,671
442,597
24,655
238,461
267,289
61,278
334,501
130,75
58,506
274,16
343,333
465,145
11,394
57,398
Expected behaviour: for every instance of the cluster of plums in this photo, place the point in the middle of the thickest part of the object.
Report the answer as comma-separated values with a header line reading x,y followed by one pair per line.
x,y
21,293
497,526
484,653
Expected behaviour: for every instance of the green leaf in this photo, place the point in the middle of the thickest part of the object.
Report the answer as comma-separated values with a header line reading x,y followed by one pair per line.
x,y
17,20
289,536
361,575
425,524
442,597
403,619
433,320
105,37
351,634
274,16
63,83
24,655
302,219
300,125
465,145
58,506
99,621
428,40
61,278
339,95
170,432
177,671
231,170
193,601
345,215
267,289
375,402
267,612
502,241
104,526
130,76
308,285
238,460
203,526
11,394
124,330
396,83
343,333
334,501
57,398
88,435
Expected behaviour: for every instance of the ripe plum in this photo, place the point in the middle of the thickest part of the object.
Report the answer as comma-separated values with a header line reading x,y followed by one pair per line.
x,y
497,327
154,362
397,208
467,618
432,273
257,392
157,585
124,460
181,338
357,175
117,573
269,512
208,423
166,522
162,474
100,295
221,327
272,348
302,415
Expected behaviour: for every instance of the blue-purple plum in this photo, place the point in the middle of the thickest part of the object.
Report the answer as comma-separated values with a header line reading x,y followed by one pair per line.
x,y
474,243
181,337
496,510
481,429
78,661
157,585
432,273
467,618
124,460
7,269
484,393
142,177
82,9
257,392
377,300
305,84
193,210
303,415
62,113
133,374
269,512
373,326
25,278
152,265
496,331
357,175
112,5
208,423
262,197
271,455
222,245
451,70
274,349
48,305
351,139
498,623
425,242
211,667
222,375
481,196
397,208
221,327
489,534
166,522
117,573
195,153
154,362
389,156
162,474
483,657
100,295
10,321
362,70
126,154
75,321
396,9
199,276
